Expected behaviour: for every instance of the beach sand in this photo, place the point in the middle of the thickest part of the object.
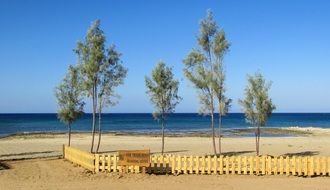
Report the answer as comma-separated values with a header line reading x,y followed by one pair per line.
x,y
51,172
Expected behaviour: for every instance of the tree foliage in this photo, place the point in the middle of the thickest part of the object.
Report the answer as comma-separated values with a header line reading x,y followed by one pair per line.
x,y
163,91
257,105
204,68
69,98
101,71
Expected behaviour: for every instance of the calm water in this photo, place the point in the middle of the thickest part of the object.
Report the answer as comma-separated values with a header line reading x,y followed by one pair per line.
x,y
144,123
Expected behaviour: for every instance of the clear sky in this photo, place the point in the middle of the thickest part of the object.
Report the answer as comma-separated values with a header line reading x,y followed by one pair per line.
x,y
288,41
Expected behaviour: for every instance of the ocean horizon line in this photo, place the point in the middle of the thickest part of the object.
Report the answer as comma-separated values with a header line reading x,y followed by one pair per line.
x,y
171,113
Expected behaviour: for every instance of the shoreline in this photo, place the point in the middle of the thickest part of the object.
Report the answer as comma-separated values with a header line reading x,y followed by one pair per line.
x,y
226,133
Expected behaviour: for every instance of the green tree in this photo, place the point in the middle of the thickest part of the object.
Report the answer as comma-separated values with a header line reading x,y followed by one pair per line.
x,y
257,105
112,74
203,67
220,47
98,71
163,91
69,99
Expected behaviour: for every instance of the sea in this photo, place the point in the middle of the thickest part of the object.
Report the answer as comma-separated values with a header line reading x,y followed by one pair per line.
x,y
176,124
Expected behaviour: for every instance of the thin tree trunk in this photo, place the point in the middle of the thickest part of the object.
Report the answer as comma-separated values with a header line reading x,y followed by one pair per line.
x,y
69,135
94,115
257,134
220,125
213,133
99,142
163,123
258,140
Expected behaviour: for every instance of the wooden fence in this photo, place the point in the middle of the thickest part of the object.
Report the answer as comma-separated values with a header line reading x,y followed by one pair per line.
x,y
176,164
84,159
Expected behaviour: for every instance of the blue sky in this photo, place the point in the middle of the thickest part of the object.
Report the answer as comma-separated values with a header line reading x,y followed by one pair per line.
x,y
288,41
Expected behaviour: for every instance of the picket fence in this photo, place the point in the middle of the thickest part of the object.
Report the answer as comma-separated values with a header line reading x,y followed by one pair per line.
x,y
176,164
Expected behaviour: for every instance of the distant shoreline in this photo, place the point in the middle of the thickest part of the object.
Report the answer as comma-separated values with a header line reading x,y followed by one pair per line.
x,y
238,132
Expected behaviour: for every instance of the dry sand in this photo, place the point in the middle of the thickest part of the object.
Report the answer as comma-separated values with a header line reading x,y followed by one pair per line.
x,y
54,173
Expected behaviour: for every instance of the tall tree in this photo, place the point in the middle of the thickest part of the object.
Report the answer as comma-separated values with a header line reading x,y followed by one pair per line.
x,y
97,68
112,74
202,67
163,91
69,99
220,47
257,105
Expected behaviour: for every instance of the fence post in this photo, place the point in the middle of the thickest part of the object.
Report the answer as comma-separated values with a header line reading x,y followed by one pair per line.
x,y
300,166
281,165
245,165
324,166
221,164
251,165
215,164
305,163
191,161
173,164
287,165
179,164
227,164
311,166
209,165
97,163
239,167
275,166
197,165
115,163
185,164
233,159
203,165
263,167
63,149
328,166
269,165
103,163
317,165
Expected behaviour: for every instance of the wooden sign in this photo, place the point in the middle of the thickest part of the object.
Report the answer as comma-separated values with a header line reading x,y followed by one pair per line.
x,y
134,158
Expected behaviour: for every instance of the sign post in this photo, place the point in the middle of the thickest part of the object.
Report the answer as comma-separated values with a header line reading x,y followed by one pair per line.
x,y
139,158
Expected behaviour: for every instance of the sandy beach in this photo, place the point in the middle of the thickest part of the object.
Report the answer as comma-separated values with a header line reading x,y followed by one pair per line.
x,y
46,168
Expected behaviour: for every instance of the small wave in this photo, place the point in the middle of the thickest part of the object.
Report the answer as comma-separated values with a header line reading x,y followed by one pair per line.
x,y
308,129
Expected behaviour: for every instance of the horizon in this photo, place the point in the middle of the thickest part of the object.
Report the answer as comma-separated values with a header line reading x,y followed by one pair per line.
x,y
171,113
287,41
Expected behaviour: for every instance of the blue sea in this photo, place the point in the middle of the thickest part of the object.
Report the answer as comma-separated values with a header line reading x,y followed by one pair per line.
x,y
143,123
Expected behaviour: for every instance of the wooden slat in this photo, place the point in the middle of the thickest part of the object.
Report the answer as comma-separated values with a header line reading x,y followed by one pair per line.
x,y
227,164
173,164
281,165
318,171
221,165
97,163
324,166
263,166
208,164
239,165
251,168
299,166
191,164
197,165
287,165
275,166
203,165
215,164
245,165
233,165
185,165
